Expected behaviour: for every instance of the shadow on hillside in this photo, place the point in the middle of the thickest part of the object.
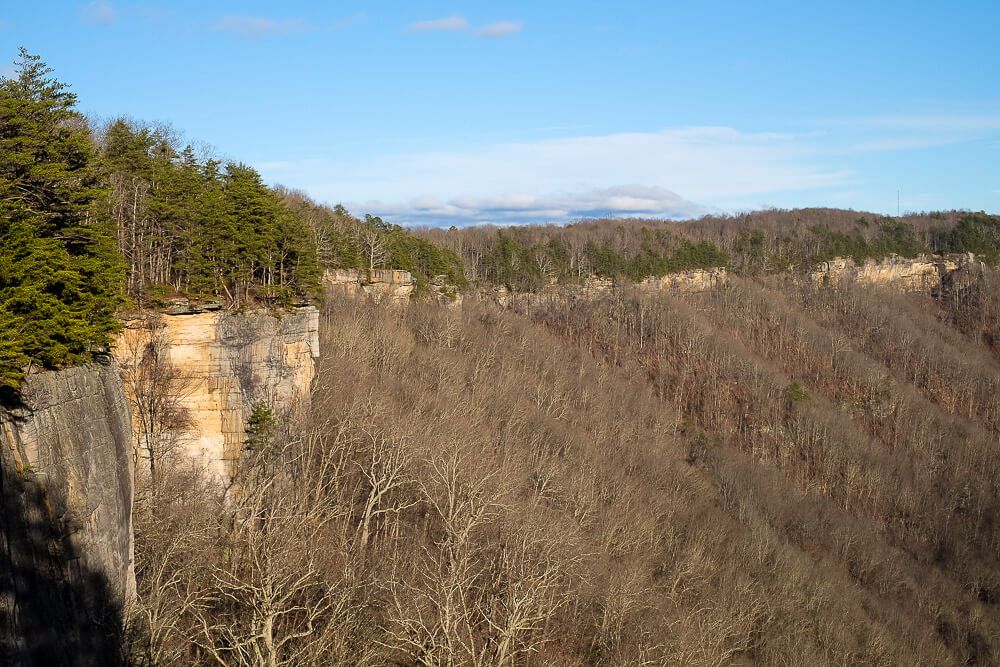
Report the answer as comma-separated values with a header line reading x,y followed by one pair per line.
x,y
52,612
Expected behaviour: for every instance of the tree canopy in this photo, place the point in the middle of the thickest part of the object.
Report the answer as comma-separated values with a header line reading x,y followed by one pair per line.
x,y
92,221
60,273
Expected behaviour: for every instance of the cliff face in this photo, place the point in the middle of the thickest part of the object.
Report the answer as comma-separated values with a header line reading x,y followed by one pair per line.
x,y
66,545
698,280
380,285
921,274
67,456
221,366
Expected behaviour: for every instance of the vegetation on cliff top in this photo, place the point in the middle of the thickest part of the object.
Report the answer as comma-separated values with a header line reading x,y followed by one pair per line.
x,y
93,219
530,257
59,268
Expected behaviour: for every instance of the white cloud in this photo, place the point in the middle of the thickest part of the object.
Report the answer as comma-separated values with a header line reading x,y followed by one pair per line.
x,y
448,23
623,200
99,12
256,26
674,173
949,122
501,29
460,24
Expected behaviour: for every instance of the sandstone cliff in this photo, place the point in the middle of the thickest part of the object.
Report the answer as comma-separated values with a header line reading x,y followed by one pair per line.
x,y
66,545
920,274
696,280
391,286
380,285
68,446
222,365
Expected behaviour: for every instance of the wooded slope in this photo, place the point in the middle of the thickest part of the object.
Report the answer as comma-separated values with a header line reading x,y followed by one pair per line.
x,y
763,474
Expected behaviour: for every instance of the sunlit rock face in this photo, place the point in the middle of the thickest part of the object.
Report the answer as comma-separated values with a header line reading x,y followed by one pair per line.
x,y
69,448
66,540
920,274
223,364
379,285
698,280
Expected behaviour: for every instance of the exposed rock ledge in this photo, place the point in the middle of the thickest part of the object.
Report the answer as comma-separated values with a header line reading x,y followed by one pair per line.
x,y
920,274
380,285
696,280
67,456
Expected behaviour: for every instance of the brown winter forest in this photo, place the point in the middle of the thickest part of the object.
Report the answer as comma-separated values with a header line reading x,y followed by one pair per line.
x,y
768,473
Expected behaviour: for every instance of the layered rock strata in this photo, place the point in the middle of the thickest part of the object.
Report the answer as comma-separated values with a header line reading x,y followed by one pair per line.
x,y
920,274
380,285
218,367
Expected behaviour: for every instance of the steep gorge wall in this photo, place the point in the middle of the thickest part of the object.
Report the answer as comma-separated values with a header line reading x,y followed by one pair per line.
x,y
66,546
67,457
392,286
695,280
223,364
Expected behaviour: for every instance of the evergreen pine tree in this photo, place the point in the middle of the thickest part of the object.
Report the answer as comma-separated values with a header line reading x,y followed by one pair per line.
x,y
60,273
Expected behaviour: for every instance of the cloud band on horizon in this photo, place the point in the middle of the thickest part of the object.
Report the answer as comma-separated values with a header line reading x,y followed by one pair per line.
x,y
676,173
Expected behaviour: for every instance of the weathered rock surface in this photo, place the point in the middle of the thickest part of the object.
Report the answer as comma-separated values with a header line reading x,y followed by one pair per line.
x,y
698,280
379,285
67,456
66,568
920,274
224,365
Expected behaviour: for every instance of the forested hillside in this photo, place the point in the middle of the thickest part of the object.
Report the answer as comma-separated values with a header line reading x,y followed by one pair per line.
x,y
530,257
770,472
765,474
98,220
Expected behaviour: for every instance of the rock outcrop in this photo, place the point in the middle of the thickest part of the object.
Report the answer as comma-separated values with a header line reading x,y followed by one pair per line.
x,y
698,280
920,274
223,364
66,568
68,448
379,285
964,279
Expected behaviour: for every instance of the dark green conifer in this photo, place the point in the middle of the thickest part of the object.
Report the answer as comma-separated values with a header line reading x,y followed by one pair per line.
x,y
60,274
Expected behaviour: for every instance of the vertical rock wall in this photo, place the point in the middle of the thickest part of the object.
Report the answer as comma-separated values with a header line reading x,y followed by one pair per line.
x,y
66,547
379,285
696,280
67,455
225,363
920,274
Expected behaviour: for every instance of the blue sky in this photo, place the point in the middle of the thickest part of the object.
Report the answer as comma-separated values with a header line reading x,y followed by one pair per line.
x,y
455,113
